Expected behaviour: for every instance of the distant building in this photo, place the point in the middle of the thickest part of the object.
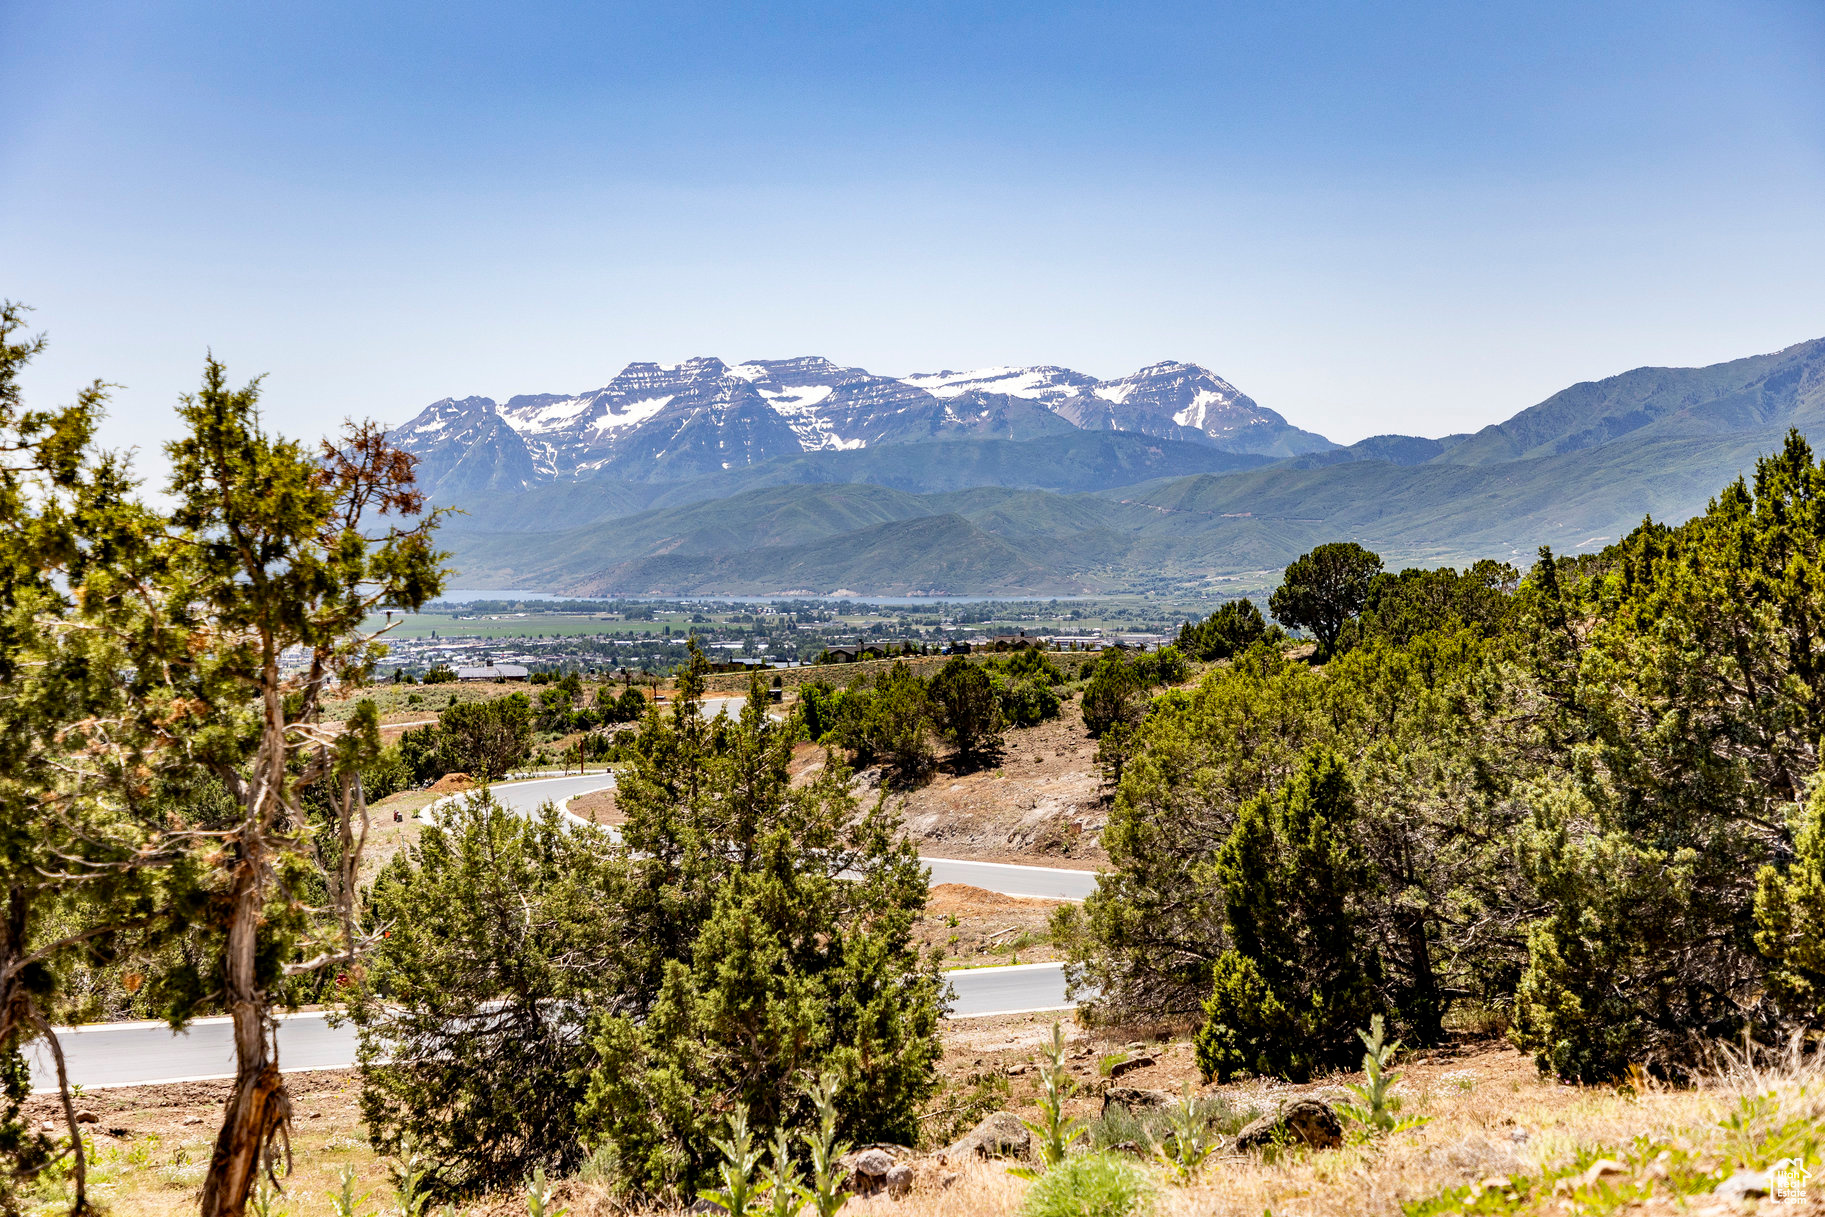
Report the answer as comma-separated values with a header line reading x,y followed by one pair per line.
x,y
1141,642
1077,642
1013,642
494,671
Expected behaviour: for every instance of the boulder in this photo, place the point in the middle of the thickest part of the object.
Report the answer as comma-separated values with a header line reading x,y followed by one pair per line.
x,y
1301,1122
1129,1066
899,1181
1000,1135
871,1168
1133,1098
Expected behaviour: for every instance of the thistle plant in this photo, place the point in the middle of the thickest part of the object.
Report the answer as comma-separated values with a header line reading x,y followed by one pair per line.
x,y
739,1160
1189,1146
1379,1109
344,1202
784,1198
411,1173
538,1196
1054,1133
825,1194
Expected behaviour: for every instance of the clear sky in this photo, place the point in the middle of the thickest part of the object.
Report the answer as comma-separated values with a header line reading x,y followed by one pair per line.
x,y
1369,216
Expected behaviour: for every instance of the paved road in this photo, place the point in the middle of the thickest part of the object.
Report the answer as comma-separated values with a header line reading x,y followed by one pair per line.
x,y
124,1054
115,1054
1007,878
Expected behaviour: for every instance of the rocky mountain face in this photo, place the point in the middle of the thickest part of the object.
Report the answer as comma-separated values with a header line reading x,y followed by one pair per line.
x,y
660,423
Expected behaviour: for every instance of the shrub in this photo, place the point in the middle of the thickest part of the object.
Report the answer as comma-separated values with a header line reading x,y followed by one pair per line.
x,y
442,674
1092,1185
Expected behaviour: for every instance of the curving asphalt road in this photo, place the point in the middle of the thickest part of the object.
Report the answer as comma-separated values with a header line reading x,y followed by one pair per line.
x,y
1008,878
139,1054
128,1054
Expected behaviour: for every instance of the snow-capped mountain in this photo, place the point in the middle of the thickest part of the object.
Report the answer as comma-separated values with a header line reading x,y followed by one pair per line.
x,y
661,422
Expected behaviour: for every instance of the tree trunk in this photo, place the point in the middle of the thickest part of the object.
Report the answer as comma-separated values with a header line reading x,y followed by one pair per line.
x,y
259,1108
1425,1009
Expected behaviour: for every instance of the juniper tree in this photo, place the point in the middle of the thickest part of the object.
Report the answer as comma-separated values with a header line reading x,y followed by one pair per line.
x,y
768,940
1682,679
966,709
1289,994
84,855
503,936
276,551
1322,590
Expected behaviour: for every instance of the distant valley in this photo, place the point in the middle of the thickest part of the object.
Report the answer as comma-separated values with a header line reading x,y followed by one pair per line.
x,y
801,476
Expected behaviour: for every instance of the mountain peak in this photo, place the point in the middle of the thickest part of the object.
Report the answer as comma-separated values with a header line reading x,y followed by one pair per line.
x,y
702,415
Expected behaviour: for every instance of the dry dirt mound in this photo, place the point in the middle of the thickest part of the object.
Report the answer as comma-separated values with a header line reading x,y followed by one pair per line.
x,y
452,782
963,898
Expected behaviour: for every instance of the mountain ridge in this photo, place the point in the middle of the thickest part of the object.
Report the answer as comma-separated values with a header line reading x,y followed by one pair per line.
x,y
655,422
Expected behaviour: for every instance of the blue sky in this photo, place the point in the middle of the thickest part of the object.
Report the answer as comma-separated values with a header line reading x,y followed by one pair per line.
x,y
1370,217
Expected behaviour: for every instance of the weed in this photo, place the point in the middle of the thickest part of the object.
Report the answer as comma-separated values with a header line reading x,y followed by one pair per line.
x,y
1092,1185
1054,1133
1379,1109
1183,1154
344,1202
538,1196
739,1158
826,1194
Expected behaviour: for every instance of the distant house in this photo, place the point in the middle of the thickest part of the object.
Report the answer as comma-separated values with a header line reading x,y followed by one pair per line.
x,y
1013,642
839,655
494,671
1076,642
1141,642
958,647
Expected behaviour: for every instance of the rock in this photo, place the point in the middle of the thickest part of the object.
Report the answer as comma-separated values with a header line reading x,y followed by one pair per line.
x,y
1015,1071
1518,1136
899,1181
948,1178
1000,1135
1603,1168
1129,1066
1743,1185
85,1116
189,1120
1134,1098
871,1163
1303,1122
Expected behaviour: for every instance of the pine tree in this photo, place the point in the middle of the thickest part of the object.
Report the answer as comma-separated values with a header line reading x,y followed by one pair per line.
x,y
967,711
1294,986
769,939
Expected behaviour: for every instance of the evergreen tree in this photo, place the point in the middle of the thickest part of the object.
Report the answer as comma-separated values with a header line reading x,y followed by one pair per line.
x,y
1681,685
1322,590
1236,626
768,939
967,710
1290,993
87,866
486,739
273,546
502,936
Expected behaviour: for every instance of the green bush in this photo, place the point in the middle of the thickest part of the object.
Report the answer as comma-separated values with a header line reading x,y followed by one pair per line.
x,y
1092,1185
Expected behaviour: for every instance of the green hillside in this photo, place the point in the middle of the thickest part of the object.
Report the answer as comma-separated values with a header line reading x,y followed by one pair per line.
x,y
1580,470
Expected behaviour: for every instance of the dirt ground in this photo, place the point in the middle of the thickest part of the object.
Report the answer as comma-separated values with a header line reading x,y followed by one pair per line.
x,y
972,926
597,808
1041,806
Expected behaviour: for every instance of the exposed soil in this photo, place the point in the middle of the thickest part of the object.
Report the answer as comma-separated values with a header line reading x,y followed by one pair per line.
x,y
972,926
598,807
1042,806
